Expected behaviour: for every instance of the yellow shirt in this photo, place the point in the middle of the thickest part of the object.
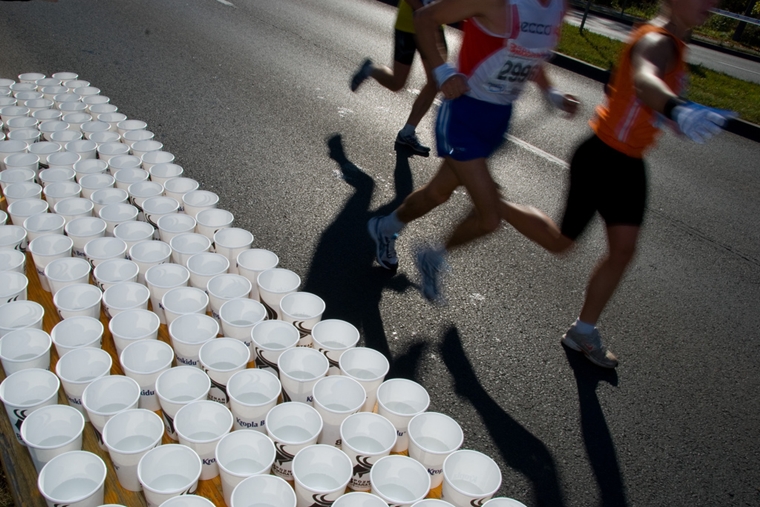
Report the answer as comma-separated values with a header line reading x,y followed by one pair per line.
x,y
405,17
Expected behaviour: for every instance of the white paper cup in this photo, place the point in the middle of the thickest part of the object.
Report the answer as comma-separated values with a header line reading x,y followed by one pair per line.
x,y
175,388
142,190
83,147
359,499
12,260
432,502
48,127
76,332
13,286
24,392
304,310
223,288
140,148
74,207
365,438
13,237
23,190
333,337
274,284
89,166
144,361
24,208
336,398
23,122
252,393
106,397
118,213
61,168
129,176
78,369
399,480
76,120
107,151
125,126
132,325
230,242
99,250
198,200
44,149
300,368
162,278
132,233
170,226
75,479
28,136
94,182
292,426
188,333
19,315
503,502
25,348
67,271
60,190
160,173
238,317
240,455
78,300
168,471
82,231
11,176
51,431
156,157
129,435
188,244
112,118
93,127
114,271
106,196
399,400
205,266
147,254
122,162
183,300
212,220
321,473
270,338
432,437
42,224
263,490
156,207
177,187
132,136
469,478
46,249
187,500
220,359
200,425
368,367
9,147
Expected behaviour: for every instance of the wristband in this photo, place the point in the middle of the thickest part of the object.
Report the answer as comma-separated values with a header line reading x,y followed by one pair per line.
x,y
671,104
443,73
555,97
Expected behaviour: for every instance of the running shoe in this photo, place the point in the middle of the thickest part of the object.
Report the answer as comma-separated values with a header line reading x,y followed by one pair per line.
x,y
592,347
361,75
385,245
431,264
411,141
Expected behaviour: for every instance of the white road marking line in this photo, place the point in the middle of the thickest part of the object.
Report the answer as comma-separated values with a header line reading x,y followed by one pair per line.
x,y
225,2
538,151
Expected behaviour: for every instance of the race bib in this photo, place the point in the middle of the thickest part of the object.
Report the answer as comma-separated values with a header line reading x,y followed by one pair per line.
x,y
512,76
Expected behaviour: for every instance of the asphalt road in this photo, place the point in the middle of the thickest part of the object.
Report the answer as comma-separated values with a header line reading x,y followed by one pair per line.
x,y
246,96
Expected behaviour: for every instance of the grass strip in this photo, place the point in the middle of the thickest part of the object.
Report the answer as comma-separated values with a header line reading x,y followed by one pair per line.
x,y
708,87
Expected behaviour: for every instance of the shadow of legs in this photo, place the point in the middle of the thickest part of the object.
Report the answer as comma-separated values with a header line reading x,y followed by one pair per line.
x,y
518,447
596,435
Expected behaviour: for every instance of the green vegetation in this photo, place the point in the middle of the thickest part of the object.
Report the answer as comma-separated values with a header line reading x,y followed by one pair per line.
x,y
707,87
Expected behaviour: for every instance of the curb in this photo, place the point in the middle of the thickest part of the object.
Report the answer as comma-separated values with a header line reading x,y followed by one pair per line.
x,y
739,127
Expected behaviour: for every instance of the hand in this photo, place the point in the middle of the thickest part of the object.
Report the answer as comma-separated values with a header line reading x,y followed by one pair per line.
x,y
563,101
455,86
699,123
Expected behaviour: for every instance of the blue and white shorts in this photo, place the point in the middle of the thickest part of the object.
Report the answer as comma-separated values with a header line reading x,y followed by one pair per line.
x,y
469,128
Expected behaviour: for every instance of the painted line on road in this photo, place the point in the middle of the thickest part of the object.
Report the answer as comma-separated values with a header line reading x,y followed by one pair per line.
x,y
538,151
225,2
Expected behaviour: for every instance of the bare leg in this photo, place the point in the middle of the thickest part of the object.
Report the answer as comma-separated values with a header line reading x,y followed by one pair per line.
x,y
535,225
608,273
434,193
394,79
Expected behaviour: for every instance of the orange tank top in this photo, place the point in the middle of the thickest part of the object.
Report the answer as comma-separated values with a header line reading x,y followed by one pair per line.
x,y
624,122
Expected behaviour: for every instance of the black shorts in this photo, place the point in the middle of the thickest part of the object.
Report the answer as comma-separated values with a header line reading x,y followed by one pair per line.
x,y
605,180
406,46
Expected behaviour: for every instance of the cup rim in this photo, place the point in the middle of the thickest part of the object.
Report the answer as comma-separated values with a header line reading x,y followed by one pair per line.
x,y
412,462
381,420
27,371
153,443
459,490
11,360
39,413
112,379
167,449
437,415
245,372
208,403
409,384
282,406
338,378
89,380
292,295
339,455
223,340
290,377
100,481
239,434
196,371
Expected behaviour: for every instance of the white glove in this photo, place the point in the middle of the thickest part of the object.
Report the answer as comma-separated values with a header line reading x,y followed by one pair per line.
x,y
699,123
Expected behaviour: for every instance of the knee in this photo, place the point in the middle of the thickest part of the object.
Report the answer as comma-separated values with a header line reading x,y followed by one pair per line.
x,y
488,224
435,197
396,84
560,245
622,254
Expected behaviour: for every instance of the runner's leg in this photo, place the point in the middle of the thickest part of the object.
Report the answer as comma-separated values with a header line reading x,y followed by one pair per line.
x,y
535,225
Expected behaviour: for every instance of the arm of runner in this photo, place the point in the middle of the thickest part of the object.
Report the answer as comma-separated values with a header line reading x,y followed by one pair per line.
x,y
562,101
426,23
651,58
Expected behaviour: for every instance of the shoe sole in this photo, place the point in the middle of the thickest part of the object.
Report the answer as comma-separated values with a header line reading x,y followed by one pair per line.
x,y
411,148
373,233
570,343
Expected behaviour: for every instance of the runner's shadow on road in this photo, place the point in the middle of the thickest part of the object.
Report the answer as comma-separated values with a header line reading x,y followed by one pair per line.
x,y
518,447
597,439
342,271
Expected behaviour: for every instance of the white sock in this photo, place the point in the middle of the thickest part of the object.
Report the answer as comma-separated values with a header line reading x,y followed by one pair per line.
x,y
408,130
391,224
583,327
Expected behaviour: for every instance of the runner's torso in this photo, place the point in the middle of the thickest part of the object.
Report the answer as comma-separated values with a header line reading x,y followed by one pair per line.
x,y
497,66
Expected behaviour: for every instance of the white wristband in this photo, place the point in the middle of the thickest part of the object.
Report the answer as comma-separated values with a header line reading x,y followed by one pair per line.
x,y
443,72
555,97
